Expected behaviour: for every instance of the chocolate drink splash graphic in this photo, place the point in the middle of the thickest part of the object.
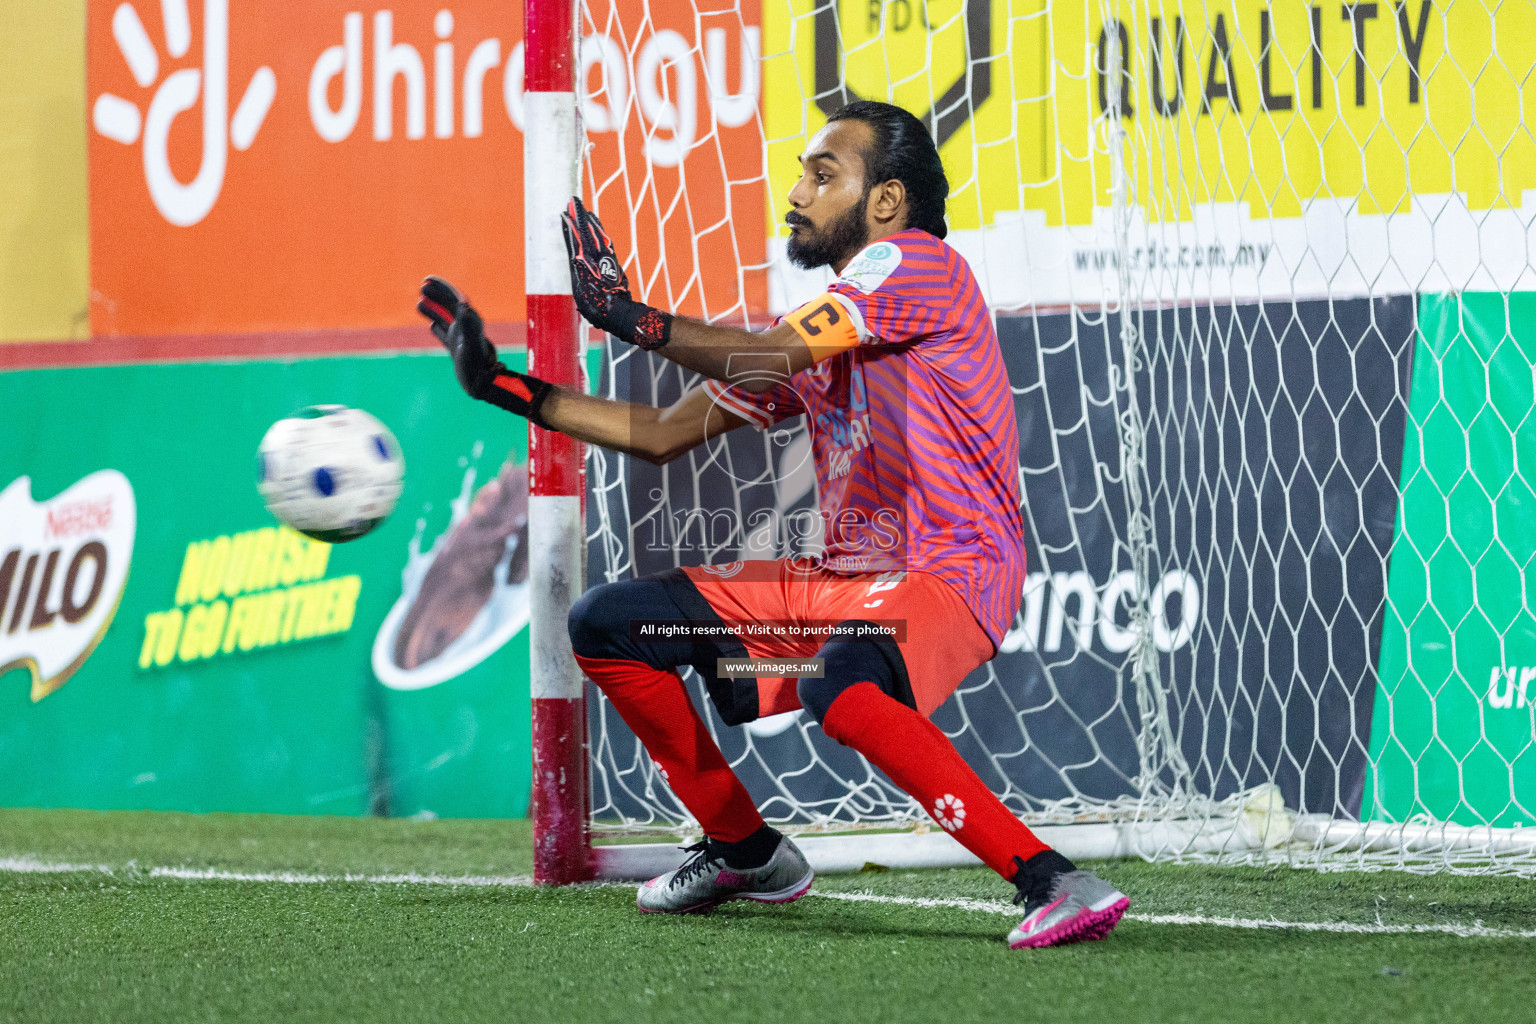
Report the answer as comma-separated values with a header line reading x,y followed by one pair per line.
x,y
466,596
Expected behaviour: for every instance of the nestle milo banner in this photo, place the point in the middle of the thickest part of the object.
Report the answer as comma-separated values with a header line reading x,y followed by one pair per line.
x,y
165,644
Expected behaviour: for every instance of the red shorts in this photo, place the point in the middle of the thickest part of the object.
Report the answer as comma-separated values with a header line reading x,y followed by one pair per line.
x,y
939,639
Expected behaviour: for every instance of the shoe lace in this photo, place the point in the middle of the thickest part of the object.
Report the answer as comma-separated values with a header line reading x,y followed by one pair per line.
x,y
1033,897
1032,902
695,865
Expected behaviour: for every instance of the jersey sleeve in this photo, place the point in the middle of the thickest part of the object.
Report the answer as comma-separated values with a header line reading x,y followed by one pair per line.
x,y
763,409
898,292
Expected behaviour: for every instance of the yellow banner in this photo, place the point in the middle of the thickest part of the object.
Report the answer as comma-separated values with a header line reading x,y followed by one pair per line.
x,y
44,241
1269,105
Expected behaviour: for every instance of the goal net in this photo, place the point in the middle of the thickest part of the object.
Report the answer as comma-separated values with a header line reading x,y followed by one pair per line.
x,y
1262,280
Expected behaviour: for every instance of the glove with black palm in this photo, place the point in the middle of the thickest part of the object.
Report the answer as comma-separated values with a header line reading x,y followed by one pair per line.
x,y
456,324
600,288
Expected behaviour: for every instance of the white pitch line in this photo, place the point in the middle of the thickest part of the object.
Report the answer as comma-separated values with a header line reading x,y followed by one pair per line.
x,y
1465,931
951,903
30,866
296,878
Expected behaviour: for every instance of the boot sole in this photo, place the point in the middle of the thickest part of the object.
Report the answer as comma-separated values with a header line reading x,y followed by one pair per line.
x,y
1088,926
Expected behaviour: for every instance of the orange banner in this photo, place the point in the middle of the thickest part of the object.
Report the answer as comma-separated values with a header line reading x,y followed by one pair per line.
x,y
300,166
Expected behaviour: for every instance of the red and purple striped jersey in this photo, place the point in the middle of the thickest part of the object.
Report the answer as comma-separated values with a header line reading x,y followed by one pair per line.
x,y
912,424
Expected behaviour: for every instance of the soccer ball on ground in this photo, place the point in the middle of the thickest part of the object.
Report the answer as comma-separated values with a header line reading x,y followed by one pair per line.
x,y
330,472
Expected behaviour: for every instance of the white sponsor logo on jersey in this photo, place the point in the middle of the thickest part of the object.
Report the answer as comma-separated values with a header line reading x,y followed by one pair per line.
x,y
869,269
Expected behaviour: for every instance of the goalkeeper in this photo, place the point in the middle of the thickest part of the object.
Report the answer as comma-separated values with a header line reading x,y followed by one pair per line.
x,y
898,371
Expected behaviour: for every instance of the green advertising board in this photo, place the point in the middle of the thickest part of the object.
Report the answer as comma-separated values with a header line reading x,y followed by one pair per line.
x,y
1452,731
242,667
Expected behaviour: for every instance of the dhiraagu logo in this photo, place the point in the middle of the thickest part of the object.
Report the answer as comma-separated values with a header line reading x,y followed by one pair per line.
x,y
119,119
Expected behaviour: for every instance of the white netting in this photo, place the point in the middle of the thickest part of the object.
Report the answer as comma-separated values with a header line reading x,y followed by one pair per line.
x,y
1257,276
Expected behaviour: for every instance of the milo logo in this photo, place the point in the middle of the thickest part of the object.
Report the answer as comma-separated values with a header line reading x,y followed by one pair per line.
x,y
63,565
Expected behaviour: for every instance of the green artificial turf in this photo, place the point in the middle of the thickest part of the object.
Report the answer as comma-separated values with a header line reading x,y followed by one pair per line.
x,y
129,946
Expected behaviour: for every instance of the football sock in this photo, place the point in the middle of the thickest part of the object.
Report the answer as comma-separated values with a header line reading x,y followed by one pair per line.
x,y
752,852
655,705
920,759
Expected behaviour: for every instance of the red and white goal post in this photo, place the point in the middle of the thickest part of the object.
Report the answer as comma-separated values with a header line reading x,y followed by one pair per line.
x,y
556,481
1261,277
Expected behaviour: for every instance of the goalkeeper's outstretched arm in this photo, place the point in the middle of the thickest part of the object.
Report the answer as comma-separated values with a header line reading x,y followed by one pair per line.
x,y
644,431
601,292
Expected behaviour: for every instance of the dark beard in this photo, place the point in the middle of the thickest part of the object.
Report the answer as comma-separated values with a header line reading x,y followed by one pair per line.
x,y
838,241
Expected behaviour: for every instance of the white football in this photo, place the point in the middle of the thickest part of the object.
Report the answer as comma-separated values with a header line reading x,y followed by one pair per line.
x,y
330,472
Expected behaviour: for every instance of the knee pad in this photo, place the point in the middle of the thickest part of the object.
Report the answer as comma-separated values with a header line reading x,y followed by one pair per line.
x,y
850,661
599,621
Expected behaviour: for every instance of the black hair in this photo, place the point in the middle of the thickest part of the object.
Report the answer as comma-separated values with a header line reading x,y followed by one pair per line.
x,y
902,150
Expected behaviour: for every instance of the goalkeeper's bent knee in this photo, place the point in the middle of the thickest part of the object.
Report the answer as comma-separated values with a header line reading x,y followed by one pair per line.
x,y
847,662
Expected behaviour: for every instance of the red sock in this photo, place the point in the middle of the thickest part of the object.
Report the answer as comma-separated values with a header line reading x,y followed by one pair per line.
x,y
919,758
656,706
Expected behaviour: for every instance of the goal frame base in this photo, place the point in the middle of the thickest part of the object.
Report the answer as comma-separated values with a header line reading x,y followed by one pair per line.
x,y
853,852
1301,839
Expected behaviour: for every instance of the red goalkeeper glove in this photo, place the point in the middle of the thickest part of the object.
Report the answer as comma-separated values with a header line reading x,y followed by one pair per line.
x,y
600,288
456,324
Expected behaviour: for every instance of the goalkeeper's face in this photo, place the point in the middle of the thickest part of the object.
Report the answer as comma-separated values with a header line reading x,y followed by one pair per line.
x,y
828,218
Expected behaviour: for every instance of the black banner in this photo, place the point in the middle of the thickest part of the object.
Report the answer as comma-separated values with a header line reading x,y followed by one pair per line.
x,y
1271,440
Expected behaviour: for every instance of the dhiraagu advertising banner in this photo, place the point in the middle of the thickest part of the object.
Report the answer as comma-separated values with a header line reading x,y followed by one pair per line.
x,y
1453,733
165,644
394,133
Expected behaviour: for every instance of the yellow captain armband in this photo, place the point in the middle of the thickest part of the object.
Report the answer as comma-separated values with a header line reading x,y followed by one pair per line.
x,y
828,324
